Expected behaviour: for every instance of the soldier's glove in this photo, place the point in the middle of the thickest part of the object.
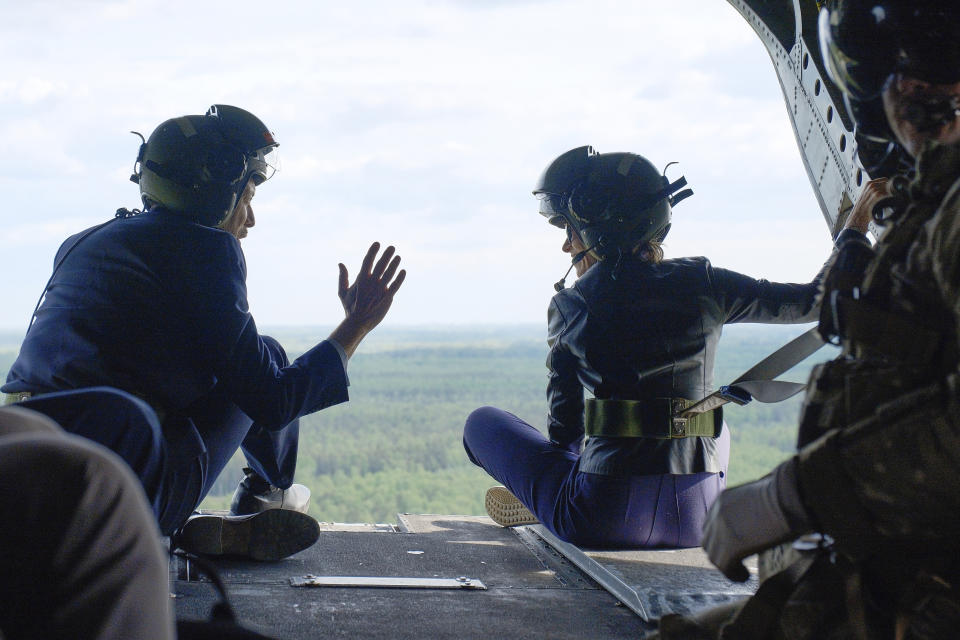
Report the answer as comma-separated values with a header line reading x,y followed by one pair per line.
x,y
755,516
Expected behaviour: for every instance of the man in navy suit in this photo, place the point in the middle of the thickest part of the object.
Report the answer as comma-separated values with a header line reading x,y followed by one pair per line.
x,y
145,319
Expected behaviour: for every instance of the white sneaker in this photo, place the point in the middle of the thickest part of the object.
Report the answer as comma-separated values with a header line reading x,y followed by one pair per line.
x,y
255,495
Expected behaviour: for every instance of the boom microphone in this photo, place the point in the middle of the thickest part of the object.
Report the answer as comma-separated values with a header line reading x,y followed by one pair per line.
x,y
561,284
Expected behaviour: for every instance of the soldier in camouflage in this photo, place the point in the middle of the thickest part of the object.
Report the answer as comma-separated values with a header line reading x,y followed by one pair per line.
x,y
876,473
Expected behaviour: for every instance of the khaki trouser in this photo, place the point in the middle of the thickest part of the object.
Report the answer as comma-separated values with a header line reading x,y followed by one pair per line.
x,y
80,549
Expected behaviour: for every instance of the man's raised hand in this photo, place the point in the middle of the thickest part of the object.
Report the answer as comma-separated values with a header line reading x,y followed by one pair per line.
x,y
367,300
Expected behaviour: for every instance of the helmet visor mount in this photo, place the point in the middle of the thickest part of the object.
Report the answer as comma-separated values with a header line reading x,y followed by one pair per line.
x,y
262,164
553,207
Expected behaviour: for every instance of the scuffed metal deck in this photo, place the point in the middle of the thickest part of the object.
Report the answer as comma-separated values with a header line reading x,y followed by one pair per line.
x,y
533,590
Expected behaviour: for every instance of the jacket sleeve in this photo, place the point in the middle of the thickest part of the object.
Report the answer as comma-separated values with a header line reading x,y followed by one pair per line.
x,y
259,379
746,299
564,391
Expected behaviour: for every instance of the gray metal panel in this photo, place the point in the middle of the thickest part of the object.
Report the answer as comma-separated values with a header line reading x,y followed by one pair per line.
x,y
524,597
386,582
654,582
820,124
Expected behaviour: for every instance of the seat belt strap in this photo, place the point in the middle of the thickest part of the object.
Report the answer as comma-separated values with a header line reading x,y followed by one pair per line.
x,y
758,382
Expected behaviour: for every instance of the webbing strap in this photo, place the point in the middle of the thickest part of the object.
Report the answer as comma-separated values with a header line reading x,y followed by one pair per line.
x,y
901,338
658,418
758,382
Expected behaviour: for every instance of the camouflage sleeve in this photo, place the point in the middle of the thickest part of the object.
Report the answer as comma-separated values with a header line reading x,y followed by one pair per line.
x,y
941,242
895,475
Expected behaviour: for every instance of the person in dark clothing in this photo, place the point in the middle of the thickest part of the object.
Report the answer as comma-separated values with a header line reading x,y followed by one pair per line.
x,y
145,319
640,334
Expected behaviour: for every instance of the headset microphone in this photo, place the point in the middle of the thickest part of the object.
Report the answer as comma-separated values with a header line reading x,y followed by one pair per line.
x,y
562,282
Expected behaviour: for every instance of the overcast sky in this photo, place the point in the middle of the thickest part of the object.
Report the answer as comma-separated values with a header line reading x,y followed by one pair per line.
x,y
421,124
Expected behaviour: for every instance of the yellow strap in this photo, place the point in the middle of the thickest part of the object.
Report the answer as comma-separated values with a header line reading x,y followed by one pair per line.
x,y
658,418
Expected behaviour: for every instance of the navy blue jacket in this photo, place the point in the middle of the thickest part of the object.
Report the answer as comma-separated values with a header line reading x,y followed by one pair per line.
x,y
651,333
157,305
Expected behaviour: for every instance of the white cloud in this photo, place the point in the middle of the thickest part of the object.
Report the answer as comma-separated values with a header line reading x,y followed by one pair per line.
x,y
419,123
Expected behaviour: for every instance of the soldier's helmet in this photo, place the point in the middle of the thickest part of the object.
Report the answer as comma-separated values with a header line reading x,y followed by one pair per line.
x,y
199,165
863,42
612,200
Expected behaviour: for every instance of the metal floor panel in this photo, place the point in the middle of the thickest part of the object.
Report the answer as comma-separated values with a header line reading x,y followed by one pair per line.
x,y
654,582
526,597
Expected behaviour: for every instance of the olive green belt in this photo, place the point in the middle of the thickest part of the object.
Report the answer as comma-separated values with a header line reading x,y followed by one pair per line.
x,y
12,398
659,418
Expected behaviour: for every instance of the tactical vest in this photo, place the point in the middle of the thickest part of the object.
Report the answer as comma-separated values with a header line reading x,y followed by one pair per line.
x,y
899,341
897,334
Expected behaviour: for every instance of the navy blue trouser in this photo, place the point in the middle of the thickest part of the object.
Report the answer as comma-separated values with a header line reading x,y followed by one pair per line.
x,y
588,509
177,462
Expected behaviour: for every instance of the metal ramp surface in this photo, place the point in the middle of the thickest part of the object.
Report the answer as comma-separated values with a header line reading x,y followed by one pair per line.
x,y
513,583
654,582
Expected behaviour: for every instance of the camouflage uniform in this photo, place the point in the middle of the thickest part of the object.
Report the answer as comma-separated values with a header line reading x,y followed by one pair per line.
x,y
879,463
883,478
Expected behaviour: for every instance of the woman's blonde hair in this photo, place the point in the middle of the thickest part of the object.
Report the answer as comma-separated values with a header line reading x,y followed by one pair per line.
x,y
650,251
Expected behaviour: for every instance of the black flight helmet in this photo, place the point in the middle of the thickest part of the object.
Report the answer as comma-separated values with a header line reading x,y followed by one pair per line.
x,y
199,165
614,201
863,42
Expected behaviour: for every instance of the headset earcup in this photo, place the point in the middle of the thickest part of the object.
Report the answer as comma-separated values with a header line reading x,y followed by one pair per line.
x,y
224,164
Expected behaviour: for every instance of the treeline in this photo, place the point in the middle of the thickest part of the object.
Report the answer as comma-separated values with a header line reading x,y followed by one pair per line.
x,y
396,446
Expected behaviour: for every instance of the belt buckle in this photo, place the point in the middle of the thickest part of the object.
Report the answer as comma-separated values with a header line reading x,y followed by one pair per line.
x,y
678,427
678,424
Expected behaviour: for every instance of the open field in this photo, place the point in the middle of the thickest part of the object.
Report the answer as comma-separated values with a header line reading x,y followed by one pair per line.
x,y
396,446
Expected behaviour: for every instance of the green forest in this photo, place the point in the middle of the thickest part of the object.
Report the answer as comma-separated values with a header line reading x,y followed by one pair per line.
x,y
396,446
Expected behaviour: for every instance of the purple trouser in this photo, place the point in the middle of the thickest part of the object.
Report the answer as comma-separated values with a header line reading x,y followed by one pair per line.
x,y
588,509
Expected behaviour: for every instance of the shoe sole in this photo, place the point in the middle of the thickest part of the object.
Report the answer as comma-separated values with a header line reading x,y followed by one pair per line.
x,y
504,508
270,535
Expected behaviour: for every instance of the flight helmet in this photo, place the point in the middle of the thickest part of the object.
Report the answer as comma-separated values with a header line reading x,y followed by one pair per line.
x,y
199,165
863,42
614,201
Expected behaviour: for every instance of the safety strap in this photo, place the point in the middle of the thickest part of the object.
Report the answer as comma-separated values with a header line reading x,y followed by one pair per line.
x,y
657,418
903,339
668,418
758,383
